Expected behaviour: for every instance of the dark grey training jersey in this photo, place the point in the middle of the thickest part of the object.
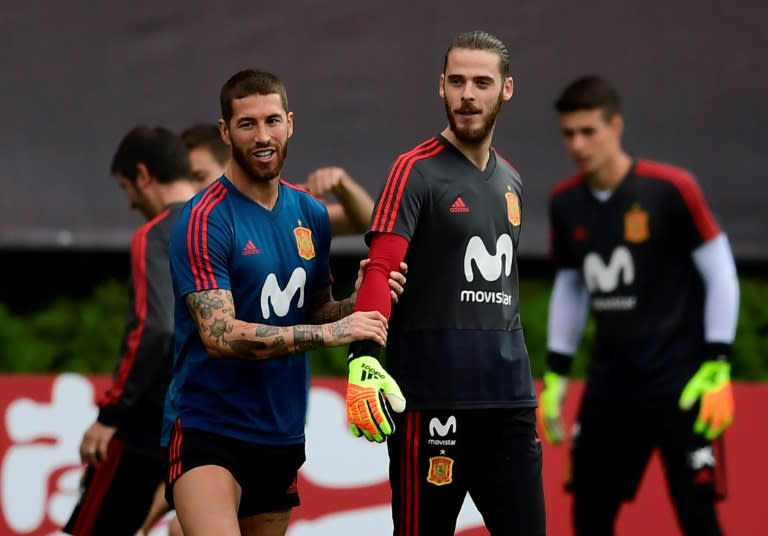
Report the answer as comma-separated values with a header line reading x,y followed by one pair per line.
x,y
634,252
455,338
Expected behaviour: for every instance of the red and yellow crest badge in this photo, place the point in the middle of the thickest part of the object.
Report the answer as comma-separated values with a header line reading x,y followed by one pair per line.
x,y
636,228
513,208
440,470
304,242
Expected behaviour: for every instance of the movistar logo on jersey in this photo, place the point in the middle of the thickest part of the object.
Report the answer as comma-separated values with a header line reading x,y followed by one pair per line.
x,y
278,300
438,428
606,279
491,267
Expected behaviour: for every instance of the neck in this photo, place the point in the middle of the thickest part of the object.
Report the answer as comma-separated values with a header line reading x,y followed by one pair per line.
x,y
262,192
177,191
609,176
477,153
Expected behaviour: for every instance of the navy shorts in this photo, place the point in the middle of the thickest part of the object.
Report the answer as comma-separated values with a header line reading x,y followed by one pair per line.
x,y
266,474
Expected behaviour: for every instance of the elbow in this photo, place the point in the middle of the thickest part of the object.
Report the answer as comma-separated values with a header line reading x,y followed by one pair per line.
x,y
214,349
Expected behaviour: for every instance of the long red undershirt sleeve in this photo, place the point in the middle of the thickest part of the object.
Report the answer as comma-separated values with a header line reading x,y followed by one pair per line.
x,y
387,251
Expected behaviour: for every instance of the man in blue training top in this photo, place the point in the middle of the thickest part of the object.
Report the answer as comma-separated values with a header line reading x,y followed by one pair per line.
x,y
250,269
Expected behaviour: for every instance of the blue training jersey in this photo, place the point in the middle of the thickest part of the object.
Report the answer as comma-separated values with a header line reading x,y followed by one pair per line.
x,y
273,261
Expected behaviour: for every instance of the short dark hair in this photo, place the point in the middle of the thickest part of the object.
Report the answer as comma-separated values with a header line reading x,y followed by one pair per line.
x,y
250,82
590,92
480,40
158,148
206,136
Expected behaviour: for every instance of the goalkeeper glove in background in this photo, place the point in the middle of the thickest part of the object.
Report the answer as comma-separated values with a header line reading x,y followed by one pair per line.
x,y
367,411
712,385
550,404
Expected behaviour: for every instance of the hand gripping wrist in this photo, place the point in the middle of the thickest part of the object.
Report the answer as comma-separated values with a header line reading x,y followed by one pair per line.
x,y
711,387
367,410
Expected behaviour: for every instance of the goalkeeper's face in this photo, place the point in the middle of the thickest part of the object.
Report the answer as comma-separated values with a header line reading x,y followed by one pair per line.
x,y
473,89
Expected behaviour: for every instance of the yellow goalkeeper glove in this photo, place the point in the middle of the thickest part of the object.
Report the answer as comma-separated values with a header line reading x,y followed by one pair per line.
x,y
367,411
550,404
712,386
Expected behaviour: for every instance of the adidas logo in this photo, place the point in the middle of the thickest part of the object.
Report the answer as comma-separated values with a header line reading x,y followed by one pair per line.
x,y
459,206
251,249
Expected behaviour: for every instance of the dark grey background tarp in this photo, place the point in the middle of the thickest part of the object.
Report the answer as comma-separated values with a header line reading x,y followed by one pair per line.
x,y
362,81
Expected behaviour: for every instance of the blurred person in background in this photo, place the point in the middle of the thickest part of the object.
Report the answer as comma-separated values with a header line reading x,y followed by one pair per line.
x,y
635,241
208,154
122,450
451,208
250,267
350,213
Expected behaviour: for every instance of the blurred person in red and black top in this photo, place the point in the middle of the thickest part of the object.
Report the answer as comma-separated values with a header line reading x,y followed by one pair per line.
x,y
452,209
635,242
125,462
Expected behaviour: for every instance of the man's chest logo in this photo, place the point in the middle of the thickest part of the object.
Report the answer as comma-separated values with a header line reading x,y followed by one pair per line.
x,y
278,300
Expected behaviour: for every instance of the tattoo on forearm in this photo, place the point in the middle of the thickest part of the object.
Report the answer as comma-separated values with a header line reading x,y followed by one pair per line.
x,y
219,328
307,337
342,328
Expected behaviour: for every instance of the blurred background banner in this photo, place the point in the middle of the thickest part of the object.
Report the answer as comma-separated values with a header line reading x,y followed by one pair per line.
x,y
362,80
343,484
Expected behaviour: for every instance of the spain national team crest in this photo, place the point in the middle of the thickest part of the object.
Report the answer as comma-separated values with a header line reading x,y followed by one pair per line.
x,y
513,208
440,470
304,242
636,225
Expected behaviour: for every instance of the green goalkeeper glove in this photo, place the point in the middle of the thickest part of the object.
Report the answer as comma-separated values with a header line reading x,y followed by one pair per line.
x,y
712,385
367,411
550,404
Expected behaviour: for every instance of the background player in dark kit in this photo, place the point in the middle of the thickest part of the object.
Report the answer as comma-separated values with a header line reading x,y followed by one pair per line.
x,y
635,241
122,450
452,208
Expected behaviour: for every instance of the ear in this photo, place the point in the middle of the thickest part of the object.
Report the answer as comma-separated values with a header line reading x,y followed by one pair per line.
x,y
441,89
224,131
143,177
617,124
508,89
290,124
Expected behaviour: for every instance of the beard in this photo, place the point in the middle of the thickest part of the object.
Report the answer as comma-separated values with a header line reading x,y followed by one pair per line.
x,y
473,136
256,171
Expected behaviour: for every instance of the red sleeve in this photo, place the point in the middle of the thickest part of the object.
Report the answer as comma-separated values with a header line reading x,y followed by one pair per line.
x,y
386,253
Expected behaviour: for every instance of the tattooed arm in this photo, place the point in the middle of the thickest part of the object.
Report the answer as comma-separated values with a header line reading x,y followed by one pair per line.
x,y
224,335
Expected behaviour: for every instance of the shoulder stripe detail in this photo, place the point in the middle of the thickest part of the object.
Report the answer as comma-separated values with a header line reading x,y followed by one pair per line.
x,y
498,154
197,237
386,212
689,190
567,184
139,282
294,186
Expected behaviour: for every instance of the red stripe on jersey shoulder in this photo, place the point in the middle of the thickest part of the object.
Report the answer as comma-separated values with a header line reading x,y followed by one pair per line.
x,y
302,189
505,160
689,190
197,237
386,211
140,307
567,184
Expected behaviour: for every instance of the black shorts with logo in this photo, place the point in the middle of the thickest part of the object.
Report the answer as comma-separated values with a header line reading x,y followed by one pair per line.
x,y
267,474
438,456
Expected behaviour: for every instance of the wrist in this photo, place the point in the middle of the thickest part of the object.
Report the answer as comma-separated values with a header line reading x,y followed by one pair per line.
x,y
363,348
717,351
559,363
